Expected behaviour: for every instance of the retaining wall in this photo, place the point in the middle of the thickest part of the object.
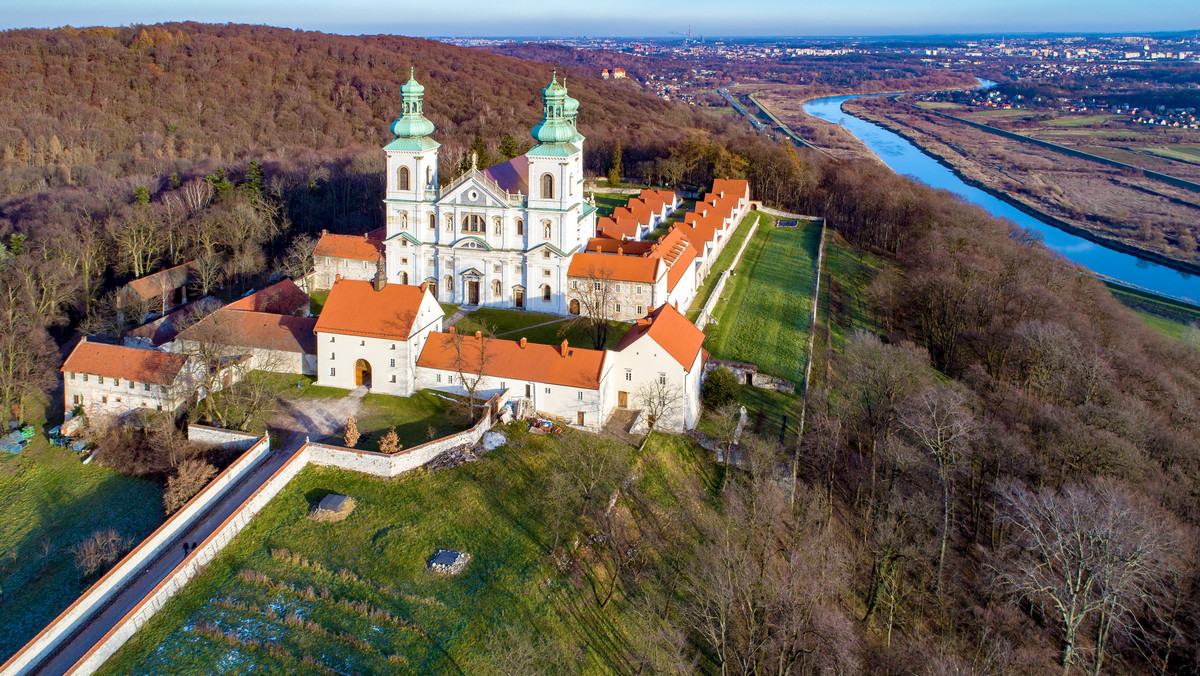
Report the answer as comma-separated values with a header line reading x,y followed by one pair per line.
x,y
216,436
706,312
98,596
191,565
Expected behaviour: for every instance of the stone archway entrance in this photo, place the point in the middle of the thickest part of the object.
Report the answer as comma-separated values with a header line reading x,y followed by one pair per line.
x,y
362,373
574,306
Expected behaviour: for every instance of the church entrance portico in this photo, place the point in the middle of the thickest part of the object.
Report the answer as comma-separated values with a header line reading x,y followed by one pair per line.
x,y
472,292
472,280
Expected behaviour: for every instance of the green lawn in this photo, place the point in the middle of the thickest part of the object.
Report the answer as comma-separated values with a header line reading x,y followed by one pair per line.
x,y
1079,120
449,308
731,248
553,334
49,502
422,417
849,271
293,596
765,316
1169,317
317,300
607,202
774,406
501,321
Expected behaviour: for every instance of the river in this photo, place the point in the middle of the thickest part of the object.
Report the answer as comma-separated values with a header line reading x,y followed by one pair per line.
x,y
905,158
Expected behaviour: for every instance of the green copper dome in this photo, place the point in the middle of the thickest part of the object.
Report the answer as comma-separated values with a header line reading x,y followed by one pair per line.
x,y
570,111
412,122
555,126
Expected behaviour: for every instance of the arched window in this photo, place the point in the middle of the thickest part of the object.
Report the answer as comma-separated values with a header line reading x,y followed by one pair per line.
x,y
404,278
547,187
473,223
449,284
496,288
546,293
402,179
432,221
520,226
547,230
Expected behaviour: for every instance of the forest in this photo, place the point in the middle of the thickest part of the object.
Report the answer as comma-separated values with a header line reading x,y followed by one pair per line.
x,y
1002,477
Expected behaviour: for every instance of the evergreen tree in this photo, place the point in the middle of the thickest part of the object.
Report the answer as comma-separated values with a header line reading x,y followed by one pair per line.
x,y
479,152
141,195
254,178
616,169
508,147
221,185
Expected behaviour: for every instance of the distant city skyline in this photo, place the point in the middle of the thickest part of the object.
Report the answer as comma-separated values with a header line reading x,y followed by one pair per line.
x,y
629,18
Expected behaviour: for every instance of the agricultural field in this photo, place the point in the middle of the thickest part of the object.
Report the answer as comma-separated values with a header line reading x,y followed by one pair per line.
x,y
295,596
1174,319
50,502
764,316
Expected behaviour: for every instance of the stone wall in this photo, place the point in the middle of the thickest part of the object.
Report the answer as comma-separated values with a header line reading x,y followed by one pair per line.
x,y
715,296
747,374
216,436
99,594
191,565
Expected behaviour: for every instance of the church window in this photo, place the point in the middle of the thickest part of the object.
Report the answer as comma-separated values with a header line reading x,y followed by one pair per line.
x,y
474,223
547,231
402,180
520,227
546,293
546,272
545,253
497,268
432,221
547,187
403,277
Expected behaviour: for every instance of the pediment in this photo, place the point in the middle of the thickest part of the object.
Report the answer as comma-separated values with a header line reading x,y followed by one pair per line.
x,y
474,243
473,193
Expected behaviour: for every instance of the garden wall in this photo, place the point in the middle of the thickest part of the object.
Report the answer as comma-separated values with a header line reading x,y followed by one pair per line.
x,y
714,296
98,596
191,565
216,436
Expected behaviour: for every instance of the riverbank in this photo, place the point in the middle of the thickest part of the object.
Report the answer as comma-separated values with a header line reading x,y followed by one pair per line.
x,y
1108,241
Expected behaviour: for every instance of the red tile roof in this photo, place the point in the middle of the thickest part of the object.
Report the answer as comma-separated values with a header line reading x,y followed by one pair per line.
x,y
257,330
580,367
128,363
622,268
355,308
153,286
620,228
738,188
678,253
629,247
357,247
671,331
164,329
282,298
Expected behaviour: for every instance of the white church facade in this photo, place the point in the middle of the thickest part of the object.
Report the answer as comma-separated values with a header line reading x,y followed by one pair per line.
x,y
497,237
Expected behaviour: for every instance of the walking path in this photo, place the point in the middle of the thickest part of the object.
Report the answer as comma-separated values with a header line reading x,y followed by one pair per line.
x,y
91,633
461,312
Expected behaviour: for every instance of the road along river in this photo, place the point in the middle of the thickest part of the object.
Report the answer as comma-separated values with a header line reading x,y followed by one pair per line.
x,y
906,158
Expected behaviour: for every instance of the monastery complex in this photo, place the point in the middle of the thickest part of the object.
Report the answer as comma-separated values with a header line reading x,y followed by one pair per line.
x,y
520,235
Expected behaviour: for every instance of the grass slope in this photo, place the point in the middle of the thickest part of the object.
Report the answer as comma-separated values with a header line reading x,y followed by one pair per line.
x,y
765,317
726,258
292,596
50,501
1169,317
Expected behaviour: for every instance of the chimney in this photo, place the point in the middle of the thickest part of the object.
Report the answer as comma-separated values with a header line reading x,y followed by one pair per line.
x,y
424,287
324,232
450,330
620,251
479,334
522,343
337,278
599,248
564,348
380,276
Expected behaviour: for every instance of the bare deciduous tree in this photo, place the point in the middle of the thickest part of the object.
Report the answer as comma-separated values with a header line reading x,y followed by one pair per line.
x,y
101,549
351,434
939,419
190,479
597,296
660,400
1086,554
472,355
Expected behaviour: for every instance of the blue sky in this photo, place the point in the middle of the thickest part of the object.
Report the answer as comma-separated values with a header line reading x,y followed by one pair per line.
x,y
627,17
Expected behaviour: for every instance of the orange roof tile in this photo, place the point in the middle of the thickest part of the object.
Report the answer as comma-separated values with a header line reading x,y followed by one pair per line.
x,y
153,286
355,308
580,367
129,363
623,268
738,188
280,298
256,330
629,247
671,331
357,247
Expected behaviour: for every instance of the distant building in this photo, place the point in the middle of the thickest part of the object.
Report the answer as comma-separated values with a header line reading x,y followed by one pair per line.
x,y
604,73
281,298
618,73
272,342
157,293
